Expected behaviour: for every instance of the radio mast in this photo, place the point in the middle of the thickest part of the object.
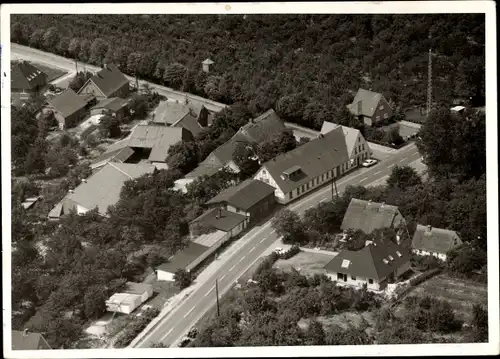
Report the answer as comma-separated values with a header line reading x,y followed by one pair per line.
x,y
429,82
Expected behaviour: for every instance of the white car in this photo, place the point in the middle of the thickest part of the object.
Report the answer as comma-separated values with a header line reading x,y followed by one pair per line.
x,y
369,162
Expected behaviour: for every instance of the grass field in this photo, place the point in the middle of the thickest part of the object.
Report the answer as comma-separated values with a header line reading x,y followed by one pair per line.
x,y
52,72
309,263
461,294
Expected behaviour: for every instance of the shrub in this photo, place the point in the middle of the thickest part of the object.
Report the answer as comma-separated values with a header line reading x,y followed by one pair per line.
x,y
182,278
136,327
417,280
290,253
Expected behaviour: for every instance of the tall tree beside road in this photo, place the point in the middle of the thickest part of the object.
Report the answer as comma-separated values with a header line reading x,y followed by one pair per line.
x,y
454,145
74,47
403,177
174,75
289,225
84,53
51,38
98,51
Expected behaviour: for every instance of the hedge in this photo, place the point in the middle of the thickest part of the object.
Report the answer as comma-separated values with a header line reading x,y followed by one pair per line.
x,y
136,327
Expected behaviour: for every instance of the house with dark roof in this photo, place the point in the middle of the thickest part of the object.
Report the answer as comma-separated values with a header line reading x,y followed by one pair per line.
x,y
102,189
307,167
187,259
68,108
120,155
256,130
368,216
108,82
113,106
191,116
371,106
376,265
251,198
436,242
27,79
218,219
357,147
27,340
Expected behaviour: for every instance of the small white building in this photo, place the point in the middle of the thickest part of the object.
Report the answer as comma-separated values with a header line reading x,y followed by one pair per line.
x,y
206,64
131,297
436,242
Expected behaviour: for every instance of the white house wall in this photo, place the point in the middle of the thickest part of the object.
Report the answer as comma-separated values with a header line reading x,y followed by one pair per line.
x,y
358,282
264,176
164,276
421,252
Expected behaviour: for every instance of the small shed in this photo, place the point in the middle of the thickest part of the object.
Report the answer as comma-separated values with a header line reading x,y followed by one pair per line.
x,y
123,303
206,64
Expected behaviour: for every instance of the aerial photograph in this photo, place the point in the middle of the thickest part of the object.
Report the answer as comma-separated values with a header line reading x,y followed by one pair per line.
x,y
246,180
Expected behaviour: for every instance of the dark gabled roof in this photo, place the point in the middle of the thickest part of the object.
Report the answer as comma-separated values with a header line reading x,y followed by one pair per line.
x,y
135,288
314,158
376,260
190,123
369,101
113,103
28,341
435,239
220,219
244,195
67,103
109,79
183,258
25,76
368,216
263,127
205,169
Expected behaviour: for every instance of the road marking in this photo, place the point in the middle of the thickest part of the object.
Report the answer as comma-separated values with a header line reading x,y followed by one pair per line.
x,y
210,290
190,310
364,179
230,269
404,158
241,259
170,331
222,277
392,165
252,248
273,231
376,172
263,239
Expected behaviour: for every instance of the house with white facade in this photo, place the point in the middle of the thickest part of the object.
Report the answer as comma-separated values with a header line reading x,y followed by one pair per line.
x,y
436,242
376,265
131,296
357,147
307,167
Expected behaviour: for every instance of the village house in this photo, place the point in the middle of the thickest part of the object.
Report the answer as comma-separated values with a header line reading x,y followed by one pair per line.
x,y
27,340
257,130
146,144
26,81
68,108
376,265
436,242
357,147
307,167
368,216
114,106
108,82
208,233
191,116
371,106
251,198
101,190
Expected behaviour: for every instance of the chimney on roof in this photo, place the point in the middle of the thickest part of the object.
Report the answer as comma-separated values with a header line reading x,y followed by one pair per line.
x,y
25,332
429,228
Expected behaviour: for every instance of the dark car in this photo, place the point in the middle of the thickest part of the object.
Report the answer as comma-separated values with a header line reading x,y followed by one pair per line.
x,y
192,333
184,342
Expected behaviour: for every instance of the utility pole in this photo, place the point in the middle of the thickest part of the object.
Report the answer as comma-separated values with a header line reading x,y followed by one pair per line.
x,y
217,296
76,65
334,183
429,82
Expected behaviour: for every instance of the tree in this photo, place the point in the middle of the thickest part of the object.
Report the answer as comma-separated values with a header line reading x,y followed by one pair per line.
x,y
79,80
289,225
74,47
403,177
51,38
244,156
133,62
182,278
326,217
350,336
17,32
36,38
291,108
95,301
84,54
480,323
315,334
138,106
183,156
174,75
98,51
110,126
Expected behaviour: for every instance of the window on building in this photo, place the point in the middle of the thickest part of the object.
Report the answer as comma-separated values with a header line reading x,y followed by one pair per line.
x,y
353,277
363,146
266,180
386,115
303,188
370,281
264,172
291,194
377,118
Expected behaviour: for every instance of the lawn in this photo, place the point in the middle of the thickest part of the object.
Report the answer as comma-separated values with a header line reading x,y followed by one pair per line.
x,y
461,294
52,72
309,263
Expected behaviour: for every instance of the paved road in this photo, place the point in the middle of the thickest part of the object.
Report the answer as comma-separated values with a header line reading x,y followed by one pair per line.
x,y
174,326
30,54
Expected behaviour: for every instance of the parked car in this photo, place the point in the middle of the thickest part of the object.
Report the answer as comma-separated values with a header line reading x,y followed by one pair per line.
x,y
369,162
193,332
184,342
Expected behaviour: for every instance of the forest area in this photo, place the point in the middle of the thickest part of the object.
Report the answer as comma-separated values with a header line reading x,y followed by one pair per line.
x,y
308,66
305,66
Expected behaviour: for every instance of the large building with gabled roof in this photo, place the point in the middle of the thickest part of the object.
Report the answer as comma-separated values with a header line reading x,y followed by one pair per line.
x,y
307,167
371,106
377,264
108,82
436,242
